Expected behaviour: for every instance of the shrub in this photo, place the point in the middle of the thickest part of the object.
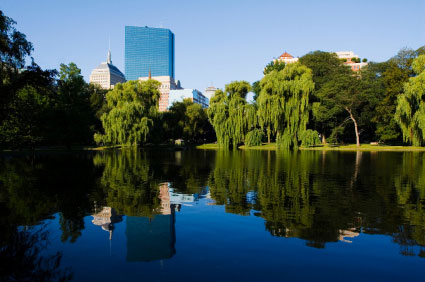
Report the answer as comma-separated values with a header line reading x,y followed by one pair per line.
x,y
310,138
254,138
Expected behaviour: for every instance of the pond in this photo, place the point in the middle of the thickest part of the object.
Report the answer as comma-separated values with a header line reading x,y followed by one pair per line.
x,y
161,215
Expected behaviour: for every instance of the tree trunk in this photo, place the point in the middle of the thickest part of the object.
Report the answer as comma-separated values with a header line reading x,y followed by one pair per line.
x,y
268,135
355,126
323,139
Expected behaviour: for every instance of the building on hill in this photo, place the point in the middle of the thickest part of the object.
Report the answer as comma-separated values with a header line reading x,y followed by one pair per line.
x,y
106,74
352,60
286,58
148,49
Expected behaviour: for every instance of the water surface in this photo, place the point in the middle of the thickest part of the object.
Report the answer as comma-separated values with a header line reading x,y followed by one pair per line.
x,y
135,215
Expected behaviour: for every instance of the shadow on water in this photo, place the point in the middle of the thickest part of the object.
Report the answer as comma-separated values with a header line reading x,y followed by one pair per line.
x,y
319,197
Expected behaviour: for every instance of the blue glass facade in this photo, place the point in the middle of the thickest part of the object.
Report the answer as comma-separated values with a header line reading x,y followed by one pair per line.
x,y
148,48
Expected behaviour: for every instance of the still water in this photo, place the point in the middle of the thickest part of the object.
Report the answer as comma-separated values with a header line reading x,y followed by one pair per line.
x,y
135,215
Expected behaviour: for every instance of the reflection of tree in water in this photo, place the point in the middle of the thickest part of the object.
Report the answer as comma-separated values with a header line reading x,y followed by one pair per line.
x,y
22,257
229,182
34,188
410,190
129,182
326,197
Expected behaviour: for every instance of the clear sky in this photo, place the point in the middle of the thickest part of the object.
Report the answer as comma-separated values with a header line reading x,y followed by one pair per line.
x,y
218,41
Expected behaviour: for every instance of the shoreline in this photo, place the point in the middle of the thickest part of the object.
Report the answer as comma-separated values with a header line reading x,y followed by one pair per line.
x,y
350,147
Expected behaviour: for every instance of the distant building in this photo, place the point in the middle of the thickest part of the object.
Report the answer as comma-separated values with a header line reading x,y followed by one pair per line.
x,y
195,95
106,74
287,58
210,91
148,49
348,57
106,219
167,84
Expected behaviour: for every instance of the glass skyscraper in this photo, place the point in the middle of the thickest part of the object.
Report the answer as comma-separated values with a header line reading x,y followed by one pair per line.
x,y
148,49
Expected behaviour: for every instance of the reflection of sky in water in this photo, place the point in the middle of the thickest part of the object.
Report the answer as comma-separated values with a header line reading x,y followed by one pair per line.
x,y
309,216
211,245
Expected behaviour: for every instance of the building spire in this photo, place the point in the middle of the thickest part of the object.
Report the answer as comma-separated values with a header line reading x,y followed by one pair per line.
x,y
108,60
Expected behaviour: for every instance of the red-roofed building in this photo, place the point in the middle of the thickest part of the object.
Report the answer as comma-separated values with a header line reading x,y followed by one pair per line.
x,y
287,58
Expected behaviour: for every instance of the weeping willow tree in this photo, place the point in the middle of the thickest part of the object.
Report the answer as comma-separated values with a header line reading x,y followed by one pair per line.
x,y
132,106
283,104
410,111
230,115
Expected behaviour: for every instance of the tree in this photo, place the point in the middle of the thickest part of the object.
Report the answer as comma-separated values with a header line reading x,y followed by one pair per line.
x,y
186,120
230,115
325,116
394,74
14,48
28,122
74,115
355,95
410,111
273,65
133,105
283,104
393,78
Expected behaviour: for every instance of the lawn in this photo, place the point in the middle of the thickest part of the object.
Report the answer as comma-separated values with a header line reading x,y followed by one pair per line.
x,y
350,147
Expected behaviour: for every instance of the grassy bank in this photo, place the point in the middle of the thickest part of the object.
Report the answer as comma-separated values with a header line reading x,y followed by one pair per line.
x,y
350,147
364,147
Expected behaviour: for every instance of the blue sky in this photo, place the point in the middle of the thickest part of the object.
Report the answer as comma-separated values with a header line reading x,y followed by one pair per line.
x,y
218,41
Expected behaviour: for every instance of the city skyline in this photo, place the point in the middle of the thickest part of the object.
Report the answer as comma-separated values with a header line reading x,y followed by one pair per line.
x,y
218,42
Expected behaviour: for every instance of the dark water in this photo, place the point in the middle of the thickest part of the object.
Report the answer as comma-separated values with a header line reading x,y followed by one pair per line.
x,y
213,216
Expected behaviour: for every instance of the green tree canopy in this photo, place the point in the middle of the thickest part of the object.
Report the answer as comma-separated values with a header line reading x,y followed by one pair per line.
x,y
325,66
230,115
410,111
283,103
132,106
394,74
187,120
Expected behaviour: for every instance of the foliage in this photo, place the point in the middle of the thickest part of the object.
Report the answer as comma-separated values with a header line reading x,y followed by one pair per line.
x,y
310,138
274,65
254,138
186,120
230,115
394,74
129,183
283,103
325,66
132,106
410,111
73,113
30,110
256,88
393,78
14,47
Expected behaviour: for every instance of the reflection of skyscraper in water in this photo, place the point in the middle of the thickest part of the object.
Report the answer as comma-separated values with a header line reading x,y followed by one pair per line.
x,y
152,238
106,219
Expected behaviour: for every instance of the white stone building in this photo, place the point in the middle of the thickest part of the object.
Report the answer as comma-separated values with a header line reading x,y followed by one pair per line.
x,y
106,74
